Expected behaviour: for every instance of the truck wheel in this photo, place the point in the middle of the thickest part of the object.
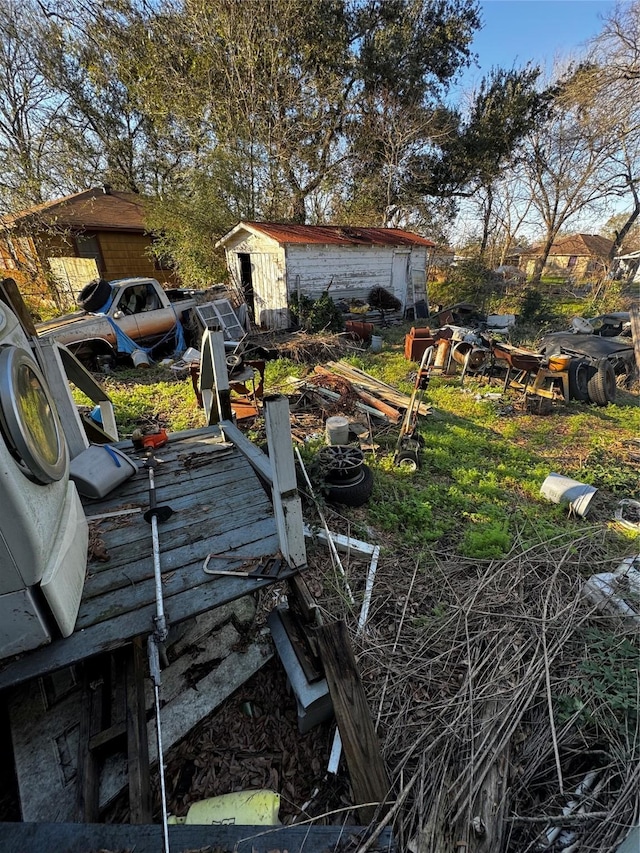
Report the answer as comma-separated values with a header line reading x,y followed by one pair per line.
x,y
352,494
579,372
602,383
94,295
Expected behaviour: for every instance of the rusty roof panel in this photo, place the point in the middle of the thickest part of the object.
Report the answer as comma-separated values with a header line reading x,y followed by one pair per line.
x,y
339,235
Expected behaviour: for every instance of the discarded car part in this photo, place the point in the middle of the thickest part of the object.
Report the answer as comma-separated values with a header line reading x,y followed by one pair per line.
x,y
628,514
342,463
561,489
409,440
601,384
354,492
617,350
581,326
337,430
579,371
94,295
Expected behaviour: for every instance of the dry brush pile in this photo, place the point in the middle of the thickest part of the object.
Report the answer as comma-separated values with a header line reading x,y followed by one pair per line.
x,y
487,686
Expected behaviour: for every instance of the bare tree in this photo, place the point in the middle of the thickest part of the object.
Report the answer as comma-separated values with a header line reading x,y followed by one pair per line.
x,y
610,81
565,167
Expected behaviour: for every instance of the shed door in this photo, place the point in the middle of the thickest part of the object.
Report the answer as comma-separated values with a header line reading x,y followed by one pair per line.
x,y
400,276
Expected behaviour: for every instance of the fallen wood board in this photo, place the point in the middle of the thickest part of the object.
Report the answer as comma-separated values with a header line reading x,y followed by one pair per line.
x,y
79,838
333,397
634,314
368,774
391,412
376,386
45,734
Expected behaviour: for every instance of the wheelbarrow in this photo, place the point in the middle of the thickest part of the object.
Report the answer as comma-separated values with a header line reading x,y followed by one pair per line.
x,y
407,453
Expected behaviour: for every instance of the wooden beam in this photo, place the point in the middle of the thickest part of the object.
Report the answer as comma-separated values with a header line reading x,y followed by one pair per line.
x,y
78,838
12,297
258,460
635,331
137,743
213,382
368,774
286,500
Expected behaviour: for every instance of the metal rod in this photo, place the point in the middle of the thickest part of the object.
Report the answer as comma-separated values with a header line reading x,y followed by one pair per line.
x,y
154,670
163,790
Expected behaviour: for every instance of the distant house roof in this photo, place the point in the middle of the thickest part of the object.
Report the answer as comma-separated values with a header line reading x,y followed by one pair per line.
x,y
96,209
578,244
338,235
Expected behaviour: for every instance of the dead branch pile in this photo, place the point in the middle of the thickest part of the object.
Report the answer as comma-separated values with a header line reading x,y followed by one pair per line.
x,y
464,662
303,348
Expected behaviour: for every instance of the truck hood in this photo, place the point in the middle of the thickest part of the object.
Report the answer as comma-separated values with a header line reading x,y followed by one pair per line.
x,y
58,322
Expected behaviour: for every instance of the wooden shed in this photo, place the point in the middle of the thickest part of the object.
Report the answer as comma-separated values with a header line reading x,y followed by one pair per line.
x,y
55,248
269,262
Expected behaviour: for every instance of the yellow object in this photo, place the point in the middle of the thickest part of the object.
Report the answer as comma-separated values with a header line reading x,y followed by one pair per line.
x,y
246,808
559,362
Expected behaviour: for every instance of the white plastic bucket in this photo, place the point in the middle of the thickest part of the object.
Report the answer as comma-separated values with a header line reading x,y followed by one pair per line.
x,y
337,430
376,343
560,489
139,358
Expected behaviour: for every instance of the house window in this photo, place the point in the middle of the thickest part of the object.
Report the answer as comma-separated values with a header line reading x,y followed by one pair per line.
x,y
573,260
88,246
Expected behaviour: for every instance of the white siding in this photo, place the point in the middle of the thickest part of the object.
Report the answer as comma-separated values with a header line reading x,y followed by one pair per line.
x,y
352,270
267,276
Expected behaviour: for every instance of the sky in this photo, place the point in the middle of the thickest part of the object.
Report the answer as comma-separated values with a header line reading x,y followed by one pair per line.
x,y
516,31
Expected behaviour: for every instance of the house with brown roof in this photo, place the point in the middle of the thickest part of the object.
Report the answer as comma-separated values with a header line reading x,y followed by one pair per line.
x,y
579,256
270,262
53,249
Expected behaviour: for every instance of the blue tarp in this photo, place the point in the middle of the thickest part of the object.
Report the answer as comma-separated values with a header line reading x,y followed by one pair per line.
x,y
127,345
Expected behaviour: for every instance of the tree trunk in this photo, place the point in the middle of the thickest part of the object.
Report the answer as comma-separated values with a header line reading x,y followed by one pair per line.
x,y
541,260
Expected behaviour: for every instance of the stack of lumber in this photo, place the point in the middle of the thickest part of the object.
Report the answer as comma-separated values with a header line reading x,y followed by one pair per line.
x,y
373,396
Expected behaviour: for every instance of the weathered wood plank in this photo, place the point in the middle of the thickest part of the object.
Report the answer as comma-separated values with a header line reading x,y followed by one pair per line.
x,y
181,569
129,541
105,636
80,838
258,460
635,331
286,501
137,743
368,775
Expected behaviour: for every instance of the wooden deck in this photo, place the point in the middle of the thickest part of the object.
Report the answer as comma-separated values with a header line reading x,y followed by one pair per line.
x,y
219,507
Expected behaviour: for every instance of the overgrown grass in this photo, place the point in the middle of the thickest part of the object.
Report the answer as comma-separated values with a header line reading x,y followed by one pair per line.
x,y
478,488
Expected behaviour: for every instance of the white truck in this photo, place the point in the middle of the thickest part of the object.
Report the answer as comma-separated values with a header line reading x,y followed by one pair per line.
x,y
140,308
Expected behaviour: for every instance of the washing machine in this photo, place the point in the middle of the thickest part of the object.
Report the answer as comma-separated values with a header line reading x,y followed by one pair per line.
x,y
43,529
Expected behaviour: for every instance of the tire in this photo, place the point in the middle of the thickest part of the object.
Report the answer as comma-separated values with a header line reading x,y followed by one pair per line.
x,y
580,370
408,459
94,295
602,383
352,494
343,463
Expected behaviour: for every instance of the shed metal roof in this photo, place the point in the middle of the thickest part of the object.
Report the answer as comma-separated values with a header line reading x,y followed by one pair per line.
x,y
337,235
